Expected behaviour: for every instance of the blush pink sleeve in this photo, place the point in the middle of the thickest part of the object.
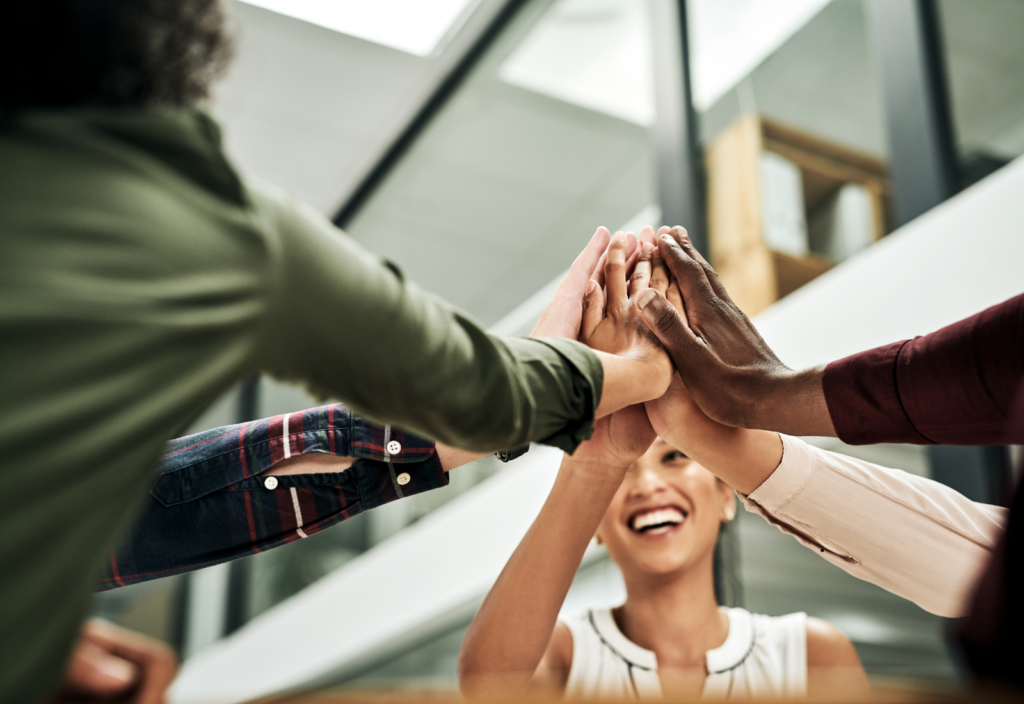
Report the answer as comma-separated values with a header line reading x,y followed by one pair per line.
x,y
912,536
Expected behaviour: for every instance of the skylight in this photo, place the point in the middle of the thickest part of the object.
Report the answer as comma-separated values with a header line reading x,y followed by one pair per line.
x,y
592,53
596,53
414,26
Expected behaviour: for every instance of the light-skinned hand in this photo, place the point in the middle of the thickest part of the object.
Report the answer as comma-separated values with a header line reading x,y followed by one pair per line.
x,y
113,664
563,315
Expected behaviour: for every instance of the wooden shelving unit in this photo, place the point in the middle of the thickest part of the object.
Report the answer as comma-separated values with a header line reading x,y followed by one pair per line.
x,y
755,275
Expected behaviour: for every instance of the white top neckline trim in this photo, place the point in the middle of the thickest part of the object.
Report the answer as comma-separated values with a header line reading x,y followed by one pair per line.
x,y
738,645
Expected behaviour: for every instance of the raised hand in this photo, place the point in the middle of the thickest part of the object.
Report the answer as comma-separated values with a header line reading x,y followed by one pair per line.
x,y
742,458
636,367
563,315
731,372
611,318
611,324
675,416
112,664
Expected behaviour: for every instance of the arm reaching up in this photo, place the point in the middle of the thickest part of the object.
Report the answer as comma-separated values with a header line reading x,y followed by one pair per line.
x,y
514,641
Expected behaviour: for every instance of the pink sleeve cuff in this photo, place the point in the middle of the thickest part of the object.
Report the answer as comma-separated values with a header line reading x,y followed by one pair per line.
x,y
793,472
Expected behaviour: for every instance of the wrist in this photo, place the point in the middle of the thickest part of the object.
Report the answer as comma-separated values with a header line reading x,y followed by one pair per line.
x,y
661,377
652,375
452,457
591,472
794,403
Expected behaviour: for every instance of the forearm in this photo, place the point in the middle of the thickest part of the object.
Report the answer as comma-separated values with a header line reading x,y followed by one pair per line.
x,y
452,457
795,404
314,463
955,386
349,326
741,458
510,633
629,381
912,536
232,491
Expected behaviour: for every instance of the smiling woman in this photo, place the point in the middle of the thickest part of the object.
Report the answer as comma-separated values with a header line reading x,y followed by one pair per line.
x,y
661,519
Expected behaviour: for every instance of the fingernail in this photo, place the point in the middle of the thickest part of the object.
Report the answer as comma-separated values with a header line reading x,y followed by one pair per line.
x,y
647,248
645,298
116,669
621,236
591,286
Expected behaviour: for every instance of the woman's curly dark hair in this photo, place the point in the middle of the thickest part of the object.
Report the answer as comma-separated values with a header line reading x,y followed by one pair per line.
x,y
58,53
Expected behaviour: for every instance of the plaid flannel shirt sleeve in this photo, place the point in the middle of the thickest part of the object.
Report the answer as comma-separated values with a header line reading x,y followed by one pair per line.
x,y
209,503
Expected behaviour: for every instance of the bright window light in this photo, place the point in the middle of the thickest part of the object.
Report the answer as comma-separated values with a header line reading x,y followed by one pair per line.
x,y
592,53
596,53
729,38
413,26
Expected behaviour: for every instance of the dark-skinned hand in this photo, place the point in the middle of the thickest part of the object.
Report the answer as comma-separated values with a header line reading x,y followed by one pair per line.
x,y
732,374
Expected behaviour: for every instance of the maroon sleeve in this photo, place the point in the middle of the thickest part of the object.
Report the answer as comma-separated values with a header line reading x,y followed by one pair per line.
x,y
956,386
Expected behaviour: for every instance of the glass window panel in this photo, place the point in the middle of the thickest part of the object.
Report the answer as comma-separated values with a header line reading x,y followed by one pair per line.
x,y
985,76
312,110
545,140
795,148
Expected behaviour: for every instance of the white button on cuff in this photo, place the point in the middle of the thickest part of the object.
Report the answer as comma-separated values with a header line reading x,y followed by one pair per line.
x,y
270,482
404,478
394,447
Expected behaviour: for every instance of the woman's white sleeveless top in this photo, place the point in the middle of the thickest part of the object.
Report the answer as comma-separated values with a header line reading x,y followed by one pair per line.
x,y
763,656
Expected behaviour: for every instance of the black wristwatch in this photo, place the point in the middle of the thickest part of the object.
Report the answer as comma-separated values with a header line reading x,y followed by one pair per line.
x,y
509,455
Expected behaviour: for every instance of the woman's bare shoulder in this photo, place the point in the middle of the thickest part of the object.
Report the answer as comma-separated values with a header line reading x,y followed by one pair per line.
x,y
828,646
833,667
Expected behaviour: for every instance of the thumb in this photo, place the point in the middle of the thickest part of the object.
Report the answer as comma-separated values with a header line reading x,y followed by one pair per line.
x,y
593,310
667,323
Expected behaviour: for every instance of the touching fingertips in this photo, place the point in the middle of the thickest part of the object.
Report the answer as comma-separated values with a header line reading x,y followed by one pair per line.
x,y
591,287
647,248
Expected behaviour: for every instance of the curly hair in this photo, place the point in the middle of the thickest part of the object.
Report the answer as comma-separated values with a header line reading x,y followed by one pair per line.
x,y
152,53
